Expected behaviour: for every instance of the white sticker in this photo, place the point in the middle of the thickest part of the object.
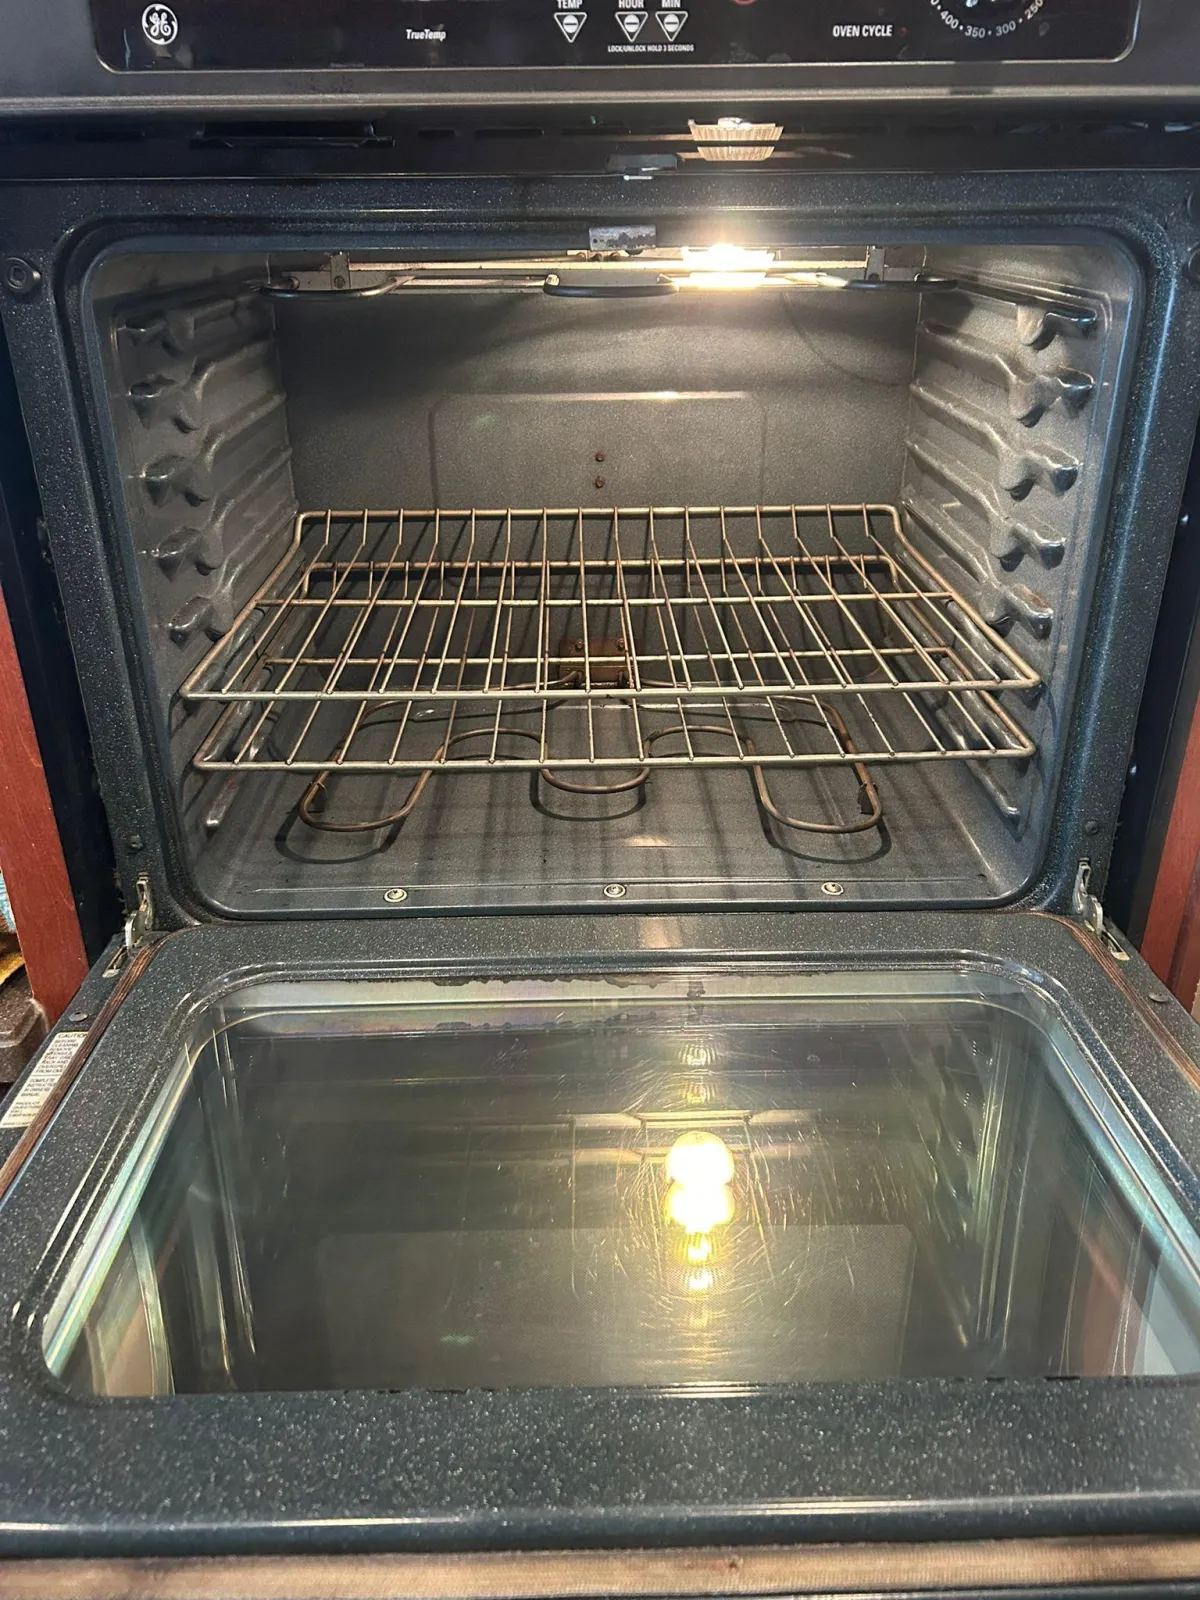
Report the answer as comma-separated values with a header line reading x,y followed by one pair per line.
x,y
38,1087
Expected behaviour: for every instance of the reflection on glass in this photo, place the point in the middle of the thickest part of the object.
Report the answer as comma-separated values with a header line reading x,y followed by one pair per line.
x,y
699,1169
728,1182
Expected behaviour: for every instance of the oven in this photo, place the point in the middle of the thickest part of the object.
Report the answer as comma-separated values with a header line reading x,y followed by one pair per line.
x,y
610,672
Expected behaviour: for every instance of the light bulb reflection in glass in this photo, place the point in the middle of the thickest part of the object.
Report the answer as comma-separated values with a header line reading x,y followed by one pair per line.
x,y
697,1054
699,1170
699,1160
698,1208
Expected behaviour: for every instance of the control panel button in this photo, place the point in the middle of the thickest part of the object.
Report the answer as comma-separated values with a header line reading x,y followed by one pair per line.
x,y
571,23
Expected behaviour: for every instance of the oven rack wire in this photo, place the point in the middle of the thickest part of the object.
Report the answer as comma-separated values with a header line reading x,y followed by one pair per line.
x,y
619,639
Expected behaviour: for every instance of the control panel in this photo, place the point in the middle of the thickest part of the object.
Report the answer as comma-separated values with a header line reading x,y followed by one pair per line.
x,y
173,35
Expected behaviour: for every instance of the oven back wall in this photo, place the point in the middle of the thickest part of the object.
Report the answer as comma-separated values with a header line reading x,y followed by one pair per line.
x,y
507,400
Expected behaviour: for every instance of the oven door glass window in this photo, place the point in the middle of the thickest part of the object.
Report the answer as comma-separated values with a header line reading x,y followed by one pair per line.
x,y
702,1182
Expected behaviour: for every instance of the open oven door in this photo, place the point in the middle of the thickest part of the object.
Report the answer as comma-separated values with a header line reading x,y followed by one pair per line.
x,y
518,1234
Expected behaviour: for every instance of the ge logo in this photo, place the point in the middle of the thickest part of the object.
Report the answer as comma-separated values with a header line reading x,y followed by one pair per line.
x,y
160,24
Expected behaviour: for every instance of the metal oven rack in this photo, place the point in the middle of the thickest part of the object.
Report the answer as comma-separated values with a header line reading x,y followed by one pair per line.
x,y
576,640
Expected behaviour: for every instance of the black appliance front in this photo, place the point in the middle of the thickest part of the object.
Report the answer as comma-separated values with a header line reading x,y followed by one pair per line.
x,y
734,57
215,34
491,1231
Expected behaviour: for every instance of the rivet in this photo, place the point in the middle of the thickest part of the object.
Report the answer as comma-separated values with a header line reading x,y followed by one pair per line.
x,y
615,891
135,843
78,1016
1159,999
599,455
600,482
395,897
1091,827
832,888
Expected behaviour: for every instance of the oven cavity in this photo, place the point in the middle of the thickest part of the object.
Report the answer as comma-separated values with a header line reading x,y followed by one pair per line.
x,y
713,574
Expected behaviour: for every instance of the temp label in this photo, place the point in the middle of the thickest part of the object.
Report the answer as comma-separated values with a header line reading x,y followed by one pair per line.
x,y
41,1082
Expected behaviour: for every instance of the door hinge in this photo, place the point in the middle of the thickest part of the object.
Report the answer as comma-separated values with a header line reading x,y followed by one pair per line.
x,y
140,922
1090,912
139,925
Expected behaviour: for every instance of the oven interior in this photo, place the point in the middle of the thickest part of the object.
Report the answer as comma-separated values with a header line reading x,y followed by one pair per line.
x,y
730,1183
699,573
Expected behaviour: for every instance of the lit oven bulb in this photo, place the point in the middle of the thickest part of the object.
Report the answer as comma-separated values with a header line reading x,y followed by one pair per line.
x,y
699,1159
700,1170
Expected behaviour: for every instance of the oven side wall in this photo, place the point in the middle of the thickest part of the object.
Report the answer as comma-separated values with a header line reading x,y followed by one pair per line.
x,y
198,420
1016,409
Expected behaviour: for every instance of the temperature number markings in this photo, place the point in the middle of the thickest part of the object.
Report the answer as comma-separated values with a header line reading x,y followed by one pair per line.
x,y
969,29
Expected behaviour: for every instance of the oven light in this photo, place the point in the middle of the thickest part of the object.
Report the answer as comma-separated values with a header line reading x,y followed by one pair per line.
x,y
699,1160
695,1053
727,266
699,1169
699,1208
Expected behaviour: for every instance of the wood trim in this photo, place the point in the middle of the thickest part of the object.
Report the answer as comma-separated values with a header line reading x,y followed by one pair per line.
x,y
1171,921
31,856
617,1574
1184,976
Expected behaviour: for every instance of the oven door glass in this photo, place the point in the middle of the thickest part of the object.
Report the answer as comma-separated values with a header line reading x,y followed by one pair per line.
x,y
701,1182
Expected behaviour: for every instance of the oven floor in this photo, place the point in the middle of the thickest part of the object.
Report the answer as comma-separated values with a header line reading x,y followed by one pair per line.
x,y
684,836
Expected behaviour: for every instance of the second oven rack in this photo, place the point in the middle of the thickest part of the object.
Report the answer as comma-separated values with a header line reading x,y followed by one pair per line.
x,y
630,638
